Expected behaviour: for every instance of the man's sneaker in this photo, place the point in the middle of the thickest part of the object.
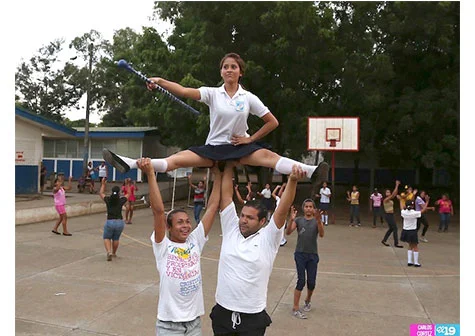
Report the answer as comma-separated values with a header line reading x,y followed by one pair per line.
x,y
283,242
424,240
299,314
307,307
417,265
410,264
115,161
358,225
109,256
320,174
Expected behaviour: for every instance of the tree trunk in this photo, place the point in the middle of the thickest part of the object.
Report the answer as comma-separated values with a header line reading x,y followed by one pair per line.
x,y
356,172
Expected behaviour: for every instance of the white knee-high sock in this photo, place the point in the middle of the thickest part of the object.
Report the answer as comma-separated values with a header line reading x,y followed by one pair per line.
x,y
409,256
284,166
323,218
326,219
159,165
416,258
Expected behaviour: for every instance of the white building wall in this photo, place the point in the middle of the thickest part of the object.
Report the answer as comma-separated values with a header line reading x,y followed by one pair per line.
x,y
28,144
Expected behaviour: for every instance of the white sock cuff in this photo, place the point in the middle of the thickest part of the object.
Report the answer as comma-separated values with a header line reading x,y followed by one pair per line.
x,y
131,162
284,166
160,165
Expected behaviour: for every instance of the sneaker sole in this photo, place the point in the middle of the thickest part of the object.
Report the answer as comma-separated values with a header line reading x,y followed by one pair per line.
x,y
320,174
115,161
300,317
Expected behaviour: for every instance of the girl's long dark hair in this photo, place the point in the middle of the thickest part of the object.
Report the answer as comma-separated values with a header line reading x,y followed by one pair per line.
x,y
115,197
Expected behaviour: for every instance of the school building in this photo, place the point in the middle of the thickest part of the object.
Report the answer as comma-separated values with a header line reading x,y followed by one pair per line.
x,y
61,149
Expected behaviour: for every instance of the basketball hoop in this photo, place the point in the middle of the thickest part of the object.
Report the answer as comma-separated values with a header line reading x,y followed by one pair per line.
x,y
332,142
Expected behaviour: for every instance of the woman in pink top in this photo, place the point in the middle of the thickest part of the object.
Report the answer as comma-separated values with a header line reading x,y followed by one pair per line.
x,y
445,211
129,188
59,195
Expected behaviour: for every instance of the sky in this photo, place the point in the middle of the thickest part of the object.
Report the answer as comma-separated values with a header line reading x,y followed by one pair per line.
x,y
47,20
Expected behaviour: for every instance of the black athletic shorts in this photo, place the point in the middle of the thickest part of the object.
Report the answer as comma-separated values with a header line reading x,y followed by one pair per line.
x,y
224,323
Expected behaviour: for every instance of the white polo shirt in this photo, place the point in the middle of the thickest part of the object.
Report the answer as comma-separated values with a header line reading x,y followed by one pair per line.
x,y
410,219
245,264
323,195
266,193
228,115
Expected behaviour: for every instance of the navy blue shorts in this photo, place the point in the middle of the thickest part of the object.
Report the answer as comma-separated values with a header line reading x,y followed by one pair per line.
x,y
324,206
228,152
409,236
307,264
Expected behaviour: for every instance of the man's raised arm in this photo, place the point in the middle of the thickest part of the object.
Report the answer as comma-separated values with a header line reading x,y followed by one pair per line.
x,y
159,218
288,195
212,206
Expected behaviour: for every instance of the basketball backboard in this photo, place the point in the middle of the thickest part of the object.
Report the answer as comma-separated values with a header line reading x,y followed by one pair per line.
x,y
333,134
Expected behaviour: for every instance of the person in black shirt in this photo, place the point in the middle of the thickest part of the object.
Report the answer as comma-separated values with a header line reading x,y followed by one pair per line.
x,y
114,224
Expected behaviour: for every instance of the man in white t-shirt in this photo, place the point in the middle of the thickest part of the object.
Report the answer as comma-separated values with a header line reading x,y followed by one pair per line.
x,y
177,259
248,251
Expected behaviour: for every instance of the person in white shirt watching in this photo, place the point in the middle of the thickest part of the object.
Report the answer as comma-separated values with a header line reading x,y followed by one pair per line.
x,y
266,195
409,231
248,251
177,259
324,195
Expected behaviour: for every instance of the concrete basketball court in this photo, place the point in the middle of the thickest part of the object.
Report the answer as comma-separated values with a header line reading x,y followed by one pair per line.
x,y
65,286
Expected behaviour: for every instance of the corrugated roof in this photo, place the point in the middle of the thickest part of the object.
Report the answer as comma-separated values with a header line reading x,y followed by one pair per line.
x,y
117,129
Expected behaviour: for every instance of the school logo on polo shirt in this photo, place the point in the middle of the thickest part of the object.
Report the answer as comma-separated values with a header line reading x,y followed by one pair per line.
x,y
239,105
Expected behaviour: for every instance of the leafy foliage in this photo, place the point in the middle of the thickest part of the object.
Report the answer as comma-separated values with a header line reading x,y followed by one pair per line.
x,y
394,64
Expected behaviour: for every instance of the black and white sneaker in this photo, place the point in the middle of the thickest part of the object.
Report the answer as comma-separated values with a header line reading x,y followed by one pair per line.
x,y
115,161
320,173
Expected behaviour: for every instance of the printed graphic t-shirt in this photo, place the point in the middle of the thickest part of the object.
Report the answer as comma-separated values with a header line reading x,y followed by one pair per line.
x,y
178,264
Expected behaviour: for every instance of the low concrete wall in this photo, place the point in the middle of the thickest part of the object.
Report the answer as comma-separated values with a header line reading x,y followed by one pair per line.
x,y
42,214
34,215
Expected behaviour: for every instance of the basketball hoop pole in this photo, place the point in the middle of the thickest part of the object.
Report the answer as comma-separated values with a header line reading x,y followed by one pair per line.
x,y
325,132
333,185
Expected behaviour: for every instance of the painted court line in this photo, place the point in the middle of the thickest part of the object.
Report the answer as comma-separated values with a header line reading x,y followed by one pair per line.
x,y
333,273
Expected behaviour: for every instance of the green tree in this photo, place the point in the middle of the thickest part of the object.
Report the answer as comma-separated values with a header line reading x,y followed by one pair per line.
x,y
43,86
423,41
